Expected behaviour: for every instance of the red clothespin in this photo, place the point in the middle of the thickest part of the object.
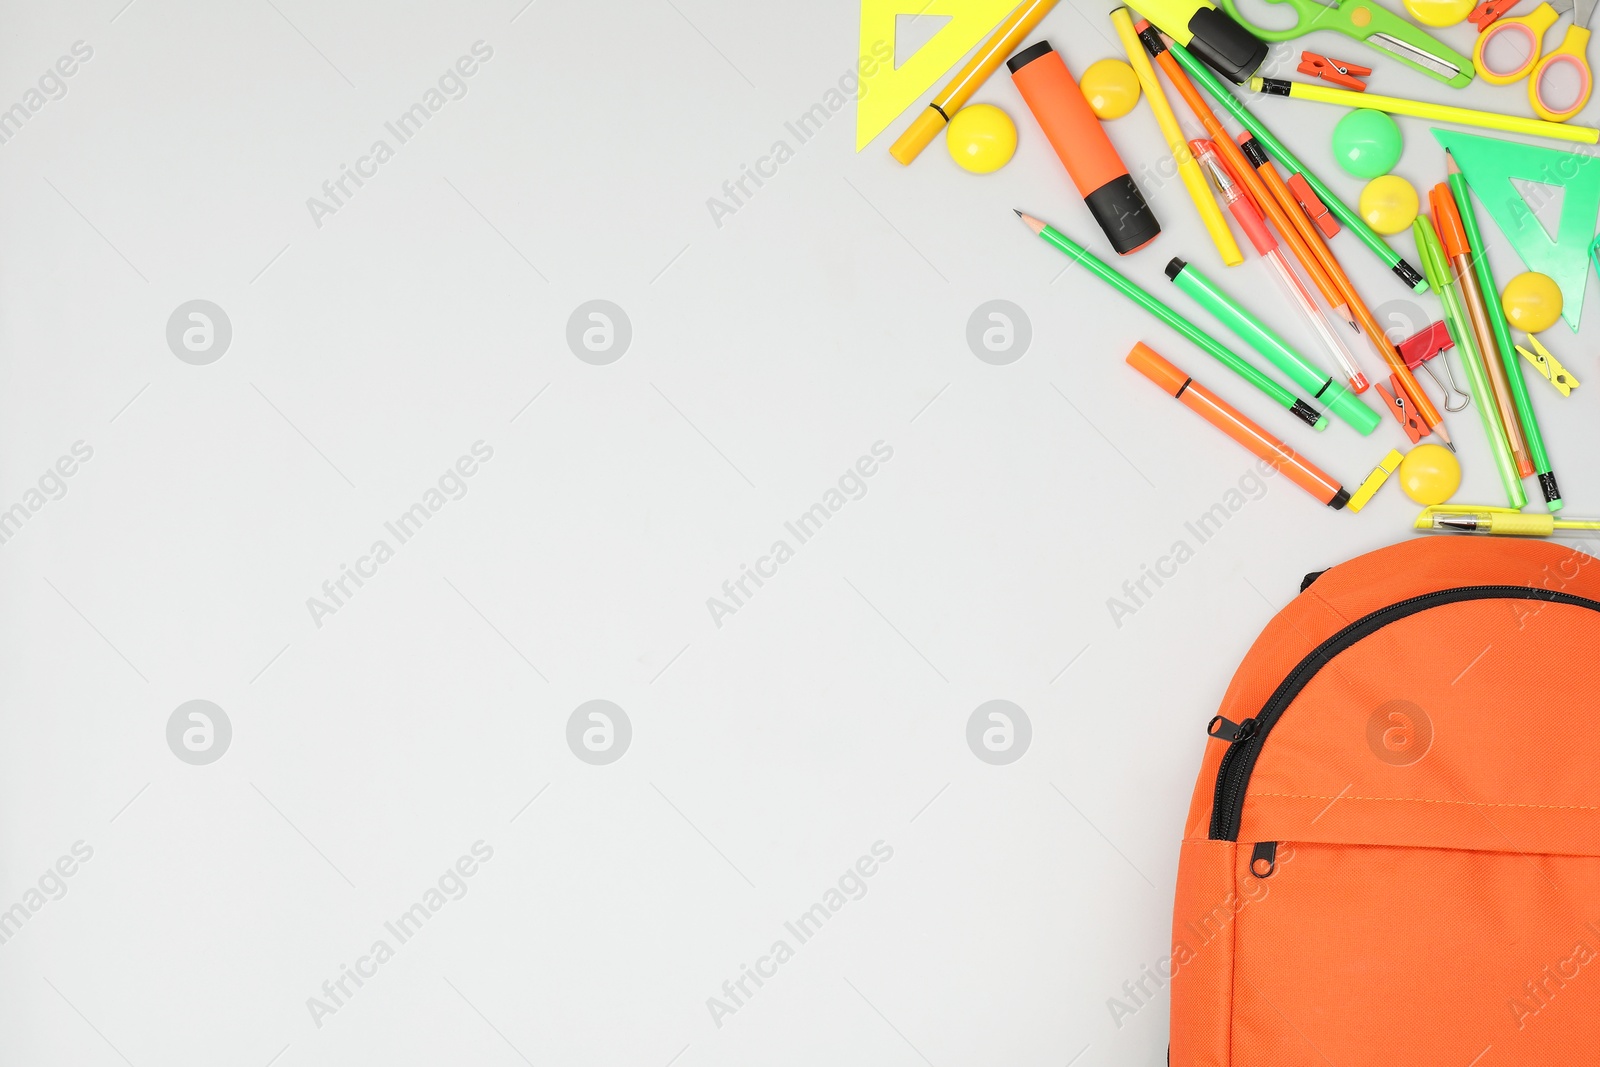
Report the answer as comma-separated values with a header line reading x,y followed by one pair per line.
x,y
1339,73
1484,15
1421,347
1399,405
1313,206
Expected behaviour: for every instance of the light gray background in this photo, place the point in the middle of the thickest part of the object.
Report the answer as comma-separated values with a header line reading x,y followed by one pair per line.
x,y
768,354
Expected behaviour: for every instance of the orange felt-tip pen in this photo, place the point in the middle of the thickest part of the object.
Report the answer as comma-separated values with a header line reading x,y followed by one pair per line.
x,y
1237,425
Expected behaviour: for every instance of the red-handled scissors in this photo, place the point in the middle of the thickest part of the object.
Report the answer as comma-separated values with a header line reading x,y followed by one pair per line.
x,y
1527,36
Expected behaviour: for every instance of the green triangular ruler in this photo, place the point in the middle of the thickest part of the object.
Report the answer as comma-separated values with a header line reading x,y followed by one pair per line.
x,y
1489,164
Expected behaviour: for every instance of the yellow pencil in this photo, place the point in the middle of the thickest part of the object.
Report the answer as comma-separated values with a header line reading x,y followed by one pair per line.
x,y
1394,105
957,90
1188,168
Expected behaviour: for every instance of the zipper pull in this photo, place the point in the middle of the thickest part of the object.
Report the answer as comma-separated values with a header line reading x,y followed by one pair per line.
x,y
1264,859
1230,731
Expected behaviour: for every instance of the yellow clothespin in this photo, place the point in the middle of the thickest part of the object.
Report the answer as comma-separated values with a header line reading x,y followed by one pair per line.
x,y
1375,480
1549,366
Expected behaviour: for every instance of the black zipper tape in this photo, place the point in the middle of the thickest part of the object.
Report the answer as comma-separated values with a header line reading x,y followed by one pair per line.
x,y
1233,776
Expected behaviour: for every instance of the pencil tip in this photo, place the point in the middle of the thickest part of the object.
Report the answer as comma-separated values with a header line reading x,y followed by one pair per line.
x,y
1450,163
1018,211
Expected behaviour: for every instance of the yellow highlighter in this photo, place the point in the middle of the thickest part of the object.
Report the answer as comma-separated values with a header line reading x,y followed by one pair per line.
x,y
1482,519
1194,179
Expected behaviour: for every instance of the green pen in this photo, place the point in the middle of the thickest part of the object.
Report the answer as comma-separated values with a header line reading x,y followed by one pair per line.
x,y
1455,320
1356,224
1340,401
1502,336
1234,362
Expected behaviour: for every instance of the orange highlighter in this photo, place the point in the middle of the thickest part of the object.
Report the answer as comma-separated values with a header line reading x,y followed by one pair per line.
x,y
1072,129
1237,425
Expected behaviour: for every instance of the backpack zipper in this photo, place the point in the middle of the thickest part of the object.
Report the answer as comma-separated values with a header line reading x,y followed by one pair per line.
x,y
1233,776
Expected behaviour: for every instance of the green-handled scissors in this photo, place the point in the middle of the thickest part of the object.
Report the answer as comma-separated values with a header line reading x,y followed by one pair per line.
x,y
1376,27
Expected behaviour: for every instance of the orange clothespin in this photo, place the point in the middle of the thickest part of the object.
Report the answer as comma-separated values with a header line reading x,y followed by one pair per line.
x,y
1313,206
1484,15
1399,404
1339,73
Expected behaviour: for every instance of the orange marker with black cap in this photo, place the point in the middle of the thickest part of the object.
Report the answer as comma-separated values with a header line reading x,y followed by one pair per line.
x,y
1237,425
1074,132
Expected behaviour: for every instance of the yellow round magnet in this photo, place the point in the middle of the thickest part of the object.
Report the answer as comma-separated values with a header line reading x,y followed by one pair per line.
x,y
1388,204
1531,301
1430,474
1111,87
981,138
1439,12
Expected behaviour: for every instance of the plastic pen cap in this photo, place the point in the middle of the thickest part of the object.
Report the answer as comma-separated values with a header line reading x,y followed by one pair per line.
x,y
1433,267
1445,216
1152,365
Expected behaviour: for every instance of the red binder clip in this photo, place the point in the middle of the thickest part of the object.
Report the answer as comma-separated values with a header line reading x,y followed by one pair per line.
x,y
1399,405
1484,15
1420,347
1346,74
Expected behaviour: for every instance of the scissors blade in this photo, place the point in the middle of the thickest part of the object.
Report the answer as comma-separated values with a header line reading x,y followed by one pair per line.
x,y
1585,9
1417,55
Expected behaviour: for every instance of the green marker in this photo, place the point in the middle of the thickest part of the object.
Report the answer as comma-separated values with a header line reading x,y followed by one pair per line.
x,y
1076,252
1341,401
1502,336
1357,225
1455,320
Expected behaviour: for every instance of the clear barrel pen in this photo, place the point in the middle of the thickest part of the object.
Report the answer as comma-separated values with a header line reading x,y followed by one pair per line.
x,y
1255,228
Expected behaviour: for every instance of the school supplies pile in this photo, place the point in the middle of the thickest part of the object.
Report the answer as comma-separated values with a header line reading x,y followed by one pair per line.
x,y
1179,56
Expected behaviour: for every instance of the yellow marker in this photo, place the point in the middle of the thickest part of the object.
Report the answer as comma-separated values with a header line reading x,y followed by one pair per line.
x,y
959,89
1375,480
1482,519
1194,178
1395,105
1549,366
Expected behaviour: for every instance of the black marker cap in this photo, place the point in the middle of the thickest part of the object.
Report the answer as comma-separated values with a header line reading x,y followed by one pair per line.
x,y
1123,215
1340,499
1229,48
1175,267
1028,55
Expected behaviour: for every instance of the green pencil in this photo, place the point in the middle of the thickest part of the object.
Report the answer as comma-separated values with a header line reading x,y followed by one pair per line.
x,y
1502,336
1455,320
1356,224
1074,251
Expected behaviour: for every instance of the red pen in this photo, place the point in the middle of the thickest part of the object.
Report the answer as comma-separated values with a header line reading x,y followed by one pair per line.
x,y
1248,216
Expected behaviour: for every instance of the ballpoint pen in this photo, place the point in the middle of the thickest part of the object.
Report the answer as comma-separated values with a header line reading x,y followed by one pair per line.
x,y
1483,519
1255,228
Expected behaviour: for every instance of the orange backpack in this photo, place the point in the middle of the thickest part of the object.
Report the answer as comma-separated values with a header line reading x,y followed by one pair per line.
x,y
1393,853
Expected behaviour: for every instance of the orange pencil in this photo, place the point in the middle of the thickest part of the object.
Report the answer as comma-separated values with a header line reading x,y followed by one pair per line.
x,y
1453,235
1237,425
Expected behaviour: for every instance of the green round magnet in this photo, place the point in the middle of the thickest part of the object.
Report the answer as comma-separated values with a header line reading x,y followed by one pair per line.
x,y
1367,143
